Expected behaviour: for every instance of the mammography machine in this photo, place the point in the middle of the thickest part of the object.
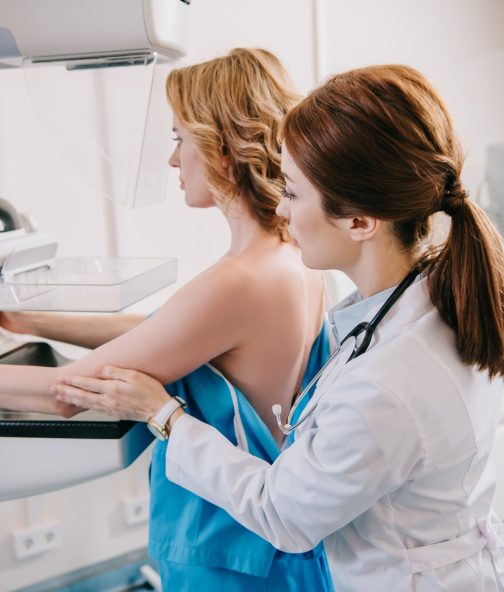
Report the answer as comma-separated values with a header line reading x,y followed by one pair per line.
x,y
83,44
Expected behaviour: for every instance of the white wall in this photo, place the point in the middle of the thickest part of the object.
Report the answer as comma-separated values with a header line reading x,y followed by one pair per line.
x,y
459,44
92,522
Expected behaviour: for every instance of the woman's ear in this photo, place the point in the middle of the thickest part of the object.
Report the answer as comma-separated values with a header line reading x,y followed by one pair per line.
x,y
226,165
363,228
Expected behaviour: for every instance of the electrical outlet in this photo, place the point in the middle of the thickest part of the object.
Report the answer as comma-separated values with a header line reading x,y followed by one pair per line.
x,y
136,510
32,541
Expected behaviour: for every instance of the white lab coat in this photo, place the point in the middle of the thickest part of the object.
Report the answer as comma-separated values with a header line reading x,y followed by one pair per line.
x,y
391,469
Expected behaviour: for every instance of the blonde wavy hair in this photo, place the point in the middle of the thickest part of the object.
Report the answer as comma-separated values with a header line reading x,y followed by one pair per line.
x,y
233,106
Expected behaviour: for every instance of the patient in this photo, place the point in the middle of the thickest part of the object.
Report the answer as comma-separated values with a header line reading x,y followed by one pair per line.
x,y
256,315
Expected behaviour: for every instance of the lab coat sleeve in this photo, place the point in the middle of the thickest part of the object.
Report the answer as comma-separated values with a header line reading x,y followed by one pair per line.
x,y
360,447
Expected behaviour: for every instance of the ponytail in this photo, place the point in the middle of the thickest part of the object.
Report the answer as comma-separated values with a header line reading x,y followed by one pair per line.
x,y
466,283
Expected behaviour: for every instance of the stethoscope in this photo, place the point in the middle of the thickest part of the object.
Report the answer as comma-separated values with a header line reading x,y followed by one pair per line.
x,y
366,327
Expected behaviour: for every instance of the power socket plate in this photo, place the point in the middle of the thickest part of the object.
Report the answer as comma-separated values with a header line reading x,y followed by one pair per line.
x,y
32,541
136,510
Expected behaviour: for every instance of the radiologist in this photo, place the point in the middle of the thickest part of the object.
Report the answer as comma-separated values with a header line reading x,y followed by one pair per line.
x,y
390,462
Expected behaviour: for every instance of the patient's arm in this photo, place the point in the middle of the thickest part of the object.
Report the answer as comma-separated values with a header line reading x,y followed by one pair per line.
x,y
204,319
39,404
89,331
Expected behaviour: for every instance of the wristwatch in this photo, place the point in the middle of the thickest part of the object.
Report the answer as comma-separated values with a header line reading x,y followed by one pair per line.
x,y
159,422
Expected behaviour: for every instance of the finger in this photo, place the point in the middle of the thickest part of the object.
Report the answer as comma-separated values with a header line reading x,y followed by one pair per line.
x,y
78,397
84,399
91,384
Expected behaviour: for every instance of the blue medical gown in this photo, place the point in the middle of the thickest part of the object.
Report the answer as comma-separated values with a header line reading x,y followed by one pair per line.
x,y
198,545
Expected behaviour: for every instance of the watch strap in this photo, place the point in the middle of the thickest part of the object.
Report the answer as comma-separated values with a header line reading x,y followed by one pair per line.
x,y
158,424
164,414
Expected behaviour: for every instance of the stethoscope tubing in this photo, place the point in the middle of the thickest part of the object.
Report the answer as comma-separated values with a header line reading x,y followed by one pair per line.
x,y
368,328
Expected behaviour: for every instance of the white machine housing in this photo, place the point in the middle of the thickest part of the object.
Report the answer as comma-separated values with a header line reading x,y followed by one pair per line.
x,y
45,31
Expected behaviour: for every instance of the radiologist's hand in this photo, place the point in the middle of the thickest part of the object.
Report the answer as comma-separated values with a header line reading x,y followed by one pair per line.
x,y
125,394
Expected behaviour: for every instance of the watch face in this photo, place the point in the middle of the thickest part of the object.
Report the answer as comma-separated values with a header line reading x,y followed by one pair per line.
x,y
160,434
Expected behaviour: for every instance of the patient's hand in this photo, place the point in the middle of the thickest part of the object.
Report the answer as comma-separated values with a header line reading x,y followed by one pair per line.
x,y
126,394
15,322
48,405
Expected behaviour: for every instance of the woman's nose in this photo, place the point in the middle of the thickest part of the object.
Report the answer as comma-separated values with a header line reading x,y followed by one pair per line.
x,y
174,160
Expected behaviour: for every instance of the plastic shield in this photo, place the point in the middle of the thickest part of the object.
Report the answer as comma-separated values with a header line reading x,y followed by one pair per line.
x,y
110,120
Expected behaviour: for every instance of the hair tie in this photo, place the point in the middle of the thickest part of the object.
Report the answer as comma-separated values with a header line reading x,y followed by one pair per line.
x,y
450,182
454,196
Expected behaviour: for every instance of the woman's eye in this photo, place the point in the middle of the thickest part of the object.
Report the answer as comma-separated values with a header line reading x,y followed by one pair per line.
x,y
287,194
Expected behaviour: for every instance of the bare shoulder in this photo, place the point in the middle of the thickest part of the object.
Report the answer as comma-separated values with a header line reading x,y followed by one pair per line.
x,y
220,293
277,283
225,279
259,278
282,272
240,294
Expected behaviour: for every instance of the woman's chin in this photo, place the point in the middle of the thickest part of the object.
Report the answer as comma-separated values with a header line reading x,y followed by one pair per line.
x,y
310,262
198,202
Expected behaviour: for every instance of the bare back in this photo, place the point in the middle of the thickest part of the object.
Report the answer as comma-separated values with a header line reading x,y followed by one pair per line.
x,y
282,314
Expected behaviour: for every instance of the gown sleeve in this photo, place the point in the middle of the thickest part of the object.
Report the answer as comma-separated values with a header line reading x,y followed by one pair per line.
x,y
361,444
